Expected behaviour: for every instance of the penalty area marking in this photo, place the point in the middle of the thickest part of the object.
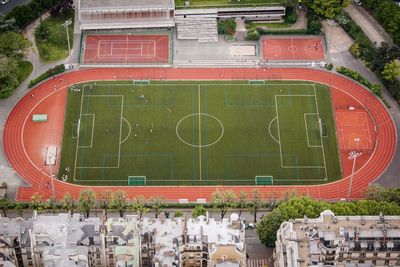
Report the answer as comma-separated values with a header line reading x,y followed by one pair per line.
x,y
130,129
269,129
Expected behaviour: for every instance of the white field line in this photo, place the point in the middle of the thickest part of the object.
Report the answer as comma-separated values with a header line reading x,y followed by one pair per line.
x,y
320,134
120,136
199,95
130,129
77,140
280,146
305,123
91,138
269,129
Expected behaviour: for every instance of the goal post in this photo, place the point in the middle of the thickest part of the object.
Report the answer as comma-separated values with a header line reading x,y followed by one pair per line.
x,y
136,180
256,81
264,180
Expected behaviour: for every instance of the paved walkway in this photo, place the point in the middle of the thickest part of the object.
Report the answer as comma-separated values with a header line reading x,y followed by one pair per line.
x,y
368,24
339,42
7,173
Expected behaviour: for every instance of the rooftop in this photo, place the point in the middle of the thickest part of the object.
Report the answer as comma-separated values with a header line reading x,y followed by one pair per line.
x,y
126,4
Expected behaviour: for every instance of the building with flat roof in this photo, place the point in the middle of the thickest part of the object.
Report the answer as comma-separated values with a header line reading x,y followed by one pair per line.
x,y
342,241
125,14
195,242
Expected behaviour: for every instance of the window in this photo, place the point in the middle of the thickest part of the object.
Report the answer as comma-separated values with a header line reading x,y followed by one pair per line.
x,y
388,254
110,256
30,263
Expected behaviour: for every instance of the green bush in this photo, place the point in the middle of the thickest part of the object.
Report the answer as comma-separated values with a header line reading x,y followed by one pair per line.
x,y
49,73
253,35
291,15
227,27
314,25
375,88
178,214
329,66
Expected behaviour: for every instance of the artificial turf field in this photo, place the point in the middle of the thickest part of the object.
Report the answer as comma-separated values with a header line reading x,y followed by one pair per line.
x,y
199,133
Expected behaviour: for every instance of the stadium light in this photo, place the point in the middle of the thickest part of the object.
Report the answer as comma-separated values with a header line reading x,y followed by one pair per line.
x,y
66,24
353,155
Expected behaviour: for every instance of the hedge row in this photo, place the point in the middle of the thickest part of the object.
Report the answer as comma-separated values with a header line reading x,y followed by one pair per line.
x,y
374,58
49,73
376,88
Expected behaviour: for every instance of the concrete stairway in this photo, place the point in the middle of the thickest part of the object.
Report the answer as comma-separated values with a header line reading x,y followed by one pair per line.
x,y
203,29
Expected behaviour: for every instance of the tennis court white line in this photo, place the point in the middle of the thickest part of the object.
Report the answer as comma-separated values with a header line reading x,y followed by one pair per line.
x,y
305,122
91,139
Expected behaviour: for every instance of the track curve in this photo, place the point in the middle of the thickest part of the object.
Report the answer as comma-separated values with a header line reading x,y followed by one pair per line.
x,y
39,180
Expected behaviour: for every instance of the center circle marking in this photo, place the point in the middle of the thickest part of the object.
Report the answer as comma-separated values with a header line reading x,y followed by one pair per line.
x,y
199,115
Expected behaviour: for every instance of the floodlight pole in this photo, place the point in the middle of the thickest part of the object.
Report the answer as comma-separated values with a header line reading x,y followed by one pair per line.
x,y
353,155
66,24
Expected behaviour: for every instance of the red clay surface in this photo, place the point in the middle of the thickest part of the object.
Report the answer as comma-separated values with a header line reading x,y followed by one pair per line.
x,y
125,49
24,142
288,48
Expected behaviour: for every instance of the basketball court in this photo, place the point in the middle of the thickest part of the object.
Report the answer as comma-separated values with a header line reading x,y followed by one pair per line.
x,y
126,49
293,48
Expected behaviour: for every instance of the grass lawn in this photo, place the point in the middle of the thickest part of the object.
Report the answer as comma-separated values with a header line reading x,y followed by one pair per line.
x,y
54,46
25,70
214,3
199,133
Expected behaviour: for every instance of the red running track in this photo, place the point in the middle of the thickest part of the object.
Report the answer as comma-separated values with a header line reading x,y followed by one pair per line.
x,y
126,49
15,148
289,48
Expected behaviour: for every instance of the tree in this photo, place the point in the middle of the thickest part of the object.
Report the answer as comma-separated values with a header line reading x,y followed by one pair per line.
x,y
119,201
268,226
4,205
19,208
198,211
7,25
62,7
241,202
13,44
87,200
139,205
223,200
51,204
391,70
67,202
326,8
37,201
255,203
253,35
104,198
178,214
8,78
156,204
227,26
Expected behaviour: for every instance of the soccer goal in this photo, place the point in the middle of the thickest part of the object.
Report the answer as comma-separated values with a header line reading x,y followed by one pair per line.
x,y
136,180
256,82
264,180
141,82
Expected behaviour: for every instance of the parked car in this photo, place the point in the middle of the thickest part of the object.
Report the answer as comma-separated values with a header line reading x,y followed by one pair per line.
x,y
3,2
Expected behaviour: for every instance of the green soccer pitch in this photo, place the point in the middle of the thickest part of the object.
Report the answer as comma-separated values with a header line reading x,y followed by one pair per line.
x,y
199,133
